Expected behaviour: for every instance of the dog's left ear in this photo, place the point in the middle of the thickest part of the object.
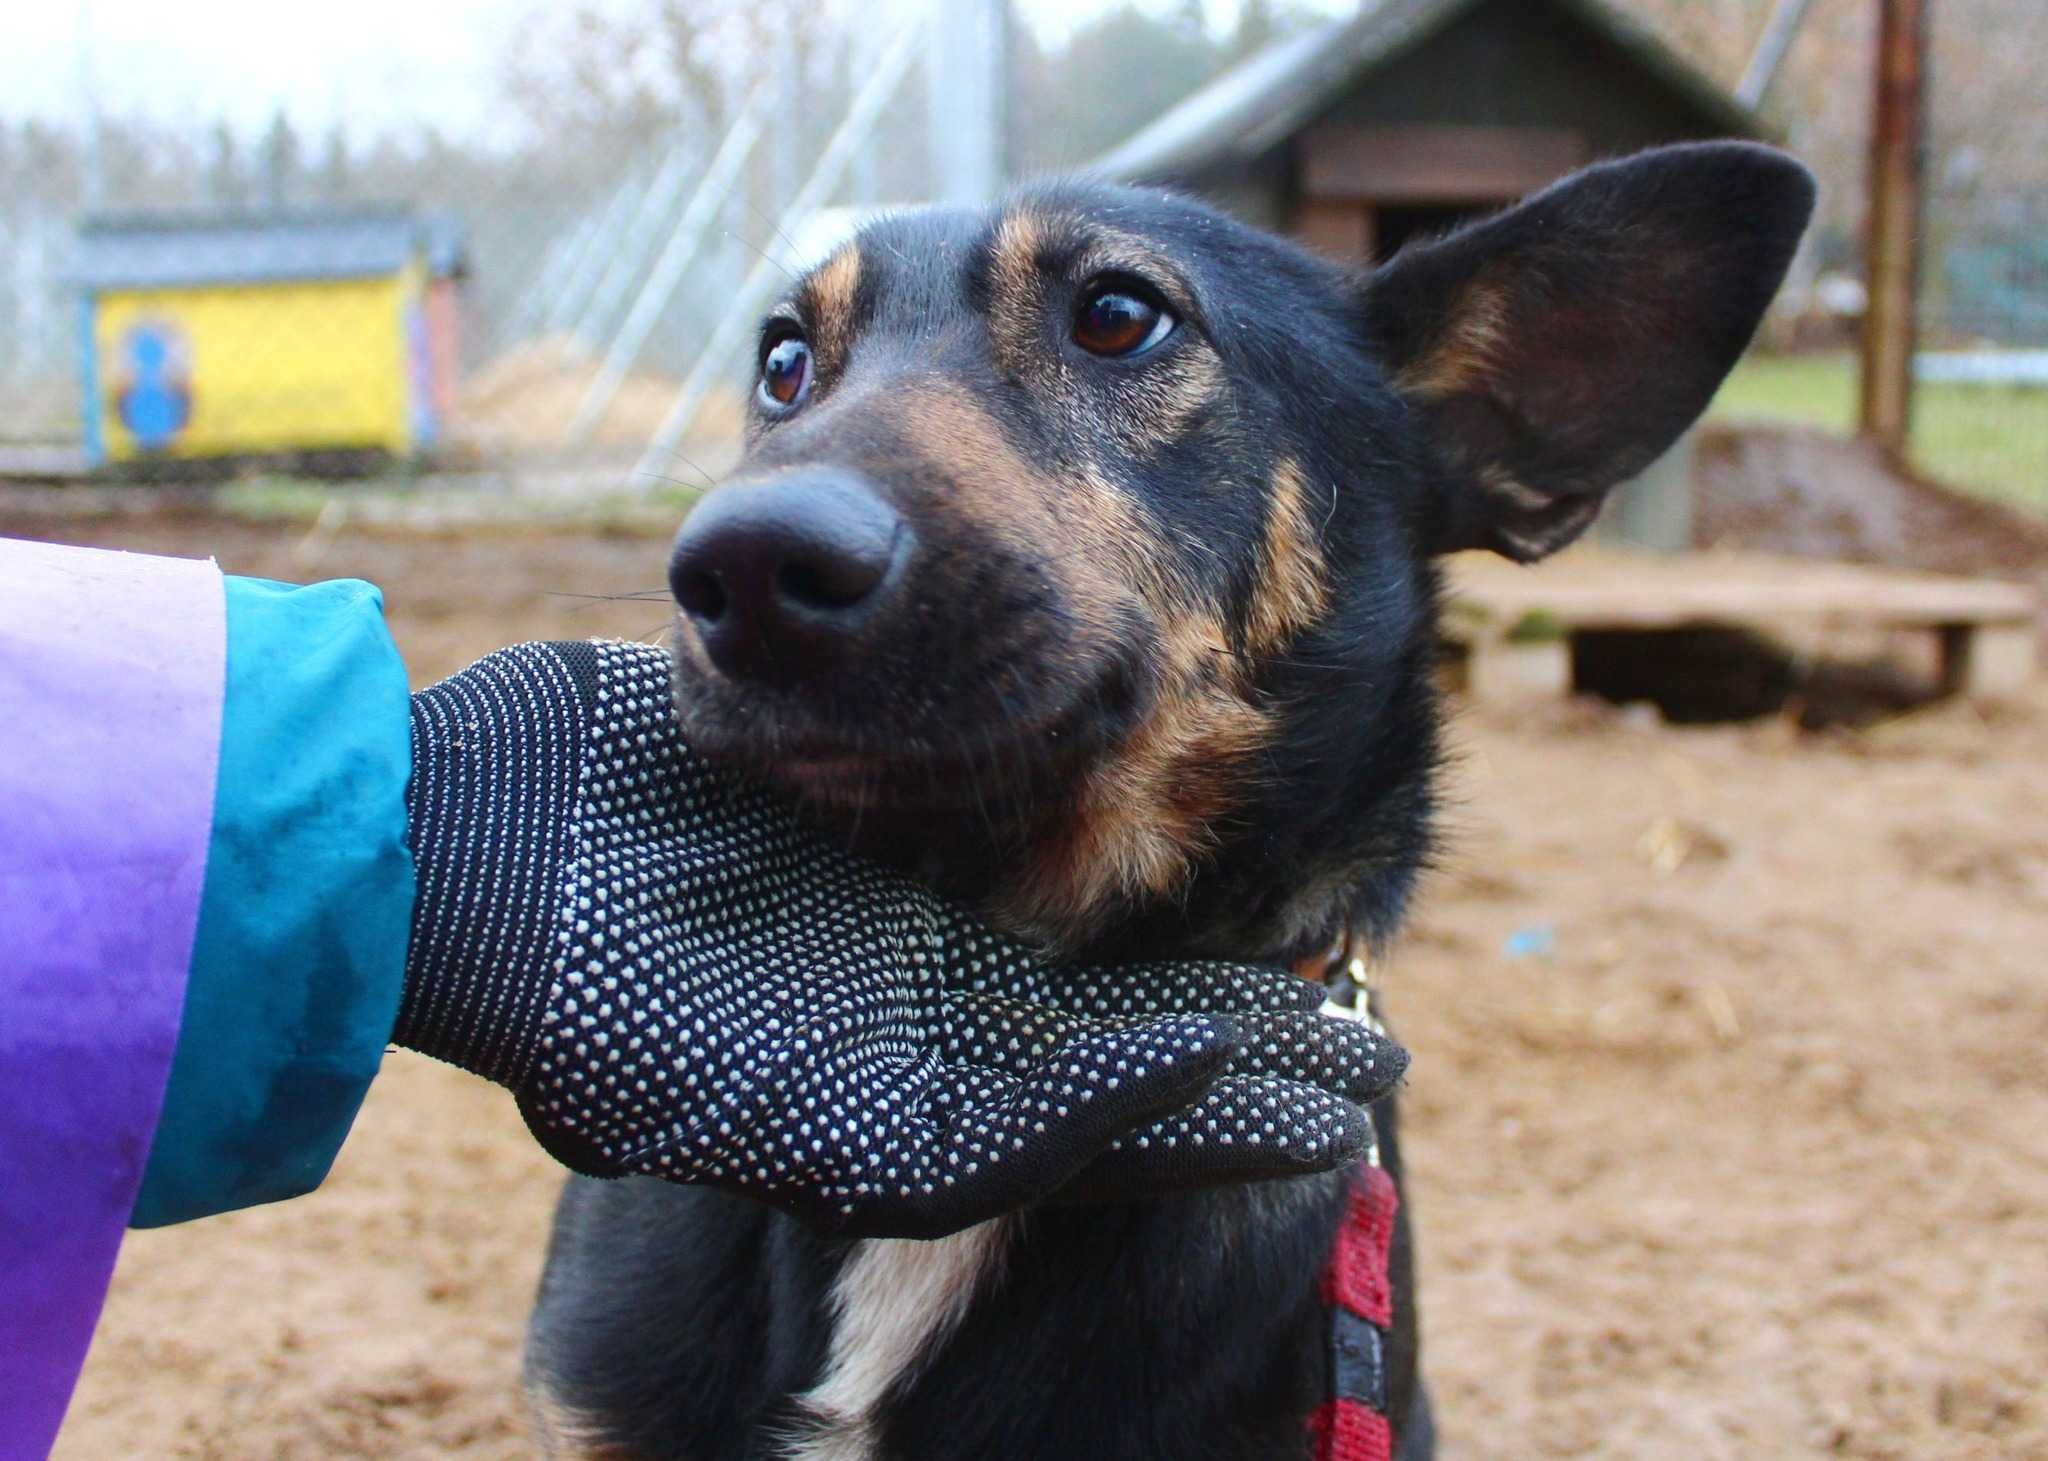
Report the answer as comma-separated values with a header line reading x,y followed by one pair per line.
x,y
1558,348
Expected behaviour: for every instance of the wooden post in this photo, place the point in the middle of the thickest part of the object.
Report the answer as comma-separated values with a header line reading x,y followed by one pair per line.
x,y
1988,661
1891,245
1340,228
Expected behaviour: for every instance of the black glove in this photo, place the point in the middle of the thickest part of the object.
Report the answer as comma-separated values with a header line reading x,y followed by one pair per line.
x,y
678,979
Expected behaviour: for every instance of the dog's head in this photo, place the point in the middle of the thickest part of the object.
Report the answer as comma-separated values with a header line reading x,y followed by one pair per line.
x,y
1081,554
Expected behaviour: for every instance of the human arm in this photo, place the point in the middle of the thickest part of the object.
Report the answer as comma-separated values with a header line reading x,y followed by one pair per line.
x,y
207,878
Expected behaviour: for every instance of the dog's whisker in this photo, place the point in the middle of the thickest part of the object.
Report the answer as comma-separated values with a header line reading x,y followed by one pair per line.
x,y
773,227
970,758
710,481
636,596
675,481
1297,664
770,258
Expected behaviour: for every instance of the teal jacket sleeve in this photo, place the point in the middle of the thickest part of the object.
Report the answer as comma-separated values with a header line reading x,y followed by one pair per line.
x,y
299,954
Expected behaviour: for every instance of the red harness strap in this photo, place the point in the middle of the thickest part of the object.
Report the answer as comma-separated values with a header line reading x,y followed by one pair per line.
x,y
1352,1424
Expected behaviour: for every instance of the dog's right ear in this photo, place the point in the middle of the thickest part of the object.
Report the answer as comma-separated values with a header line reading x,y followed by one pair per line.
x,y
1557,349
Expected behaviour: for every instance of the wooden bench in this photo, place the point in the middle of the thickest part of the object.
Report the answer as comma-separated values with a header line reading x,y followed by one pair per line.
x,y
1516,624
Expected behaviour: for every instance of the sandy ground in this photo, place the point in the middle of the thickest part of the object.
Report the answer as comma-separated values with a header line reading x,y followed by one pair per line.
x,y
1753,1162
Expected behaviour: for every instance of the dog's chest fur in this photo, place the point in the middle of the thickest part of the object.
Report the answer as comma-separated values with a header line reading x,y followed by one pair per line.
x,y
723,1331
894,1304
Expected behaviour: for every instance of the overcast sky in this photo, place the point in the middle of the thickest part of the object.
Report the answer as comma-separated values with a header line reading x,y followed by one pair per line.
x,y
378,63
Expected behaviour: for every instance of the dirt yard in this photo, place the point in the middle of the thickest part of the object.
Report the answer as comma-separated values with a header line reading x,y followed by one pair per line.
x,y
1743,1152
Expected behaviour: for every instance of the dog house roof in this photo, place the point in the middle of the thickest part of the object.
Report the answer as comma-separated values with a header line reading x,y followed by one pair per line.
x,y
182,250
1257,104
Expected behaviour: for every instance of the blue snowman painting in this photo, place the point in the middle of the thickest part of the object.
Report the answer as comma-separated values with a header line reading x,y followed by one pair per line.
x,y
154,397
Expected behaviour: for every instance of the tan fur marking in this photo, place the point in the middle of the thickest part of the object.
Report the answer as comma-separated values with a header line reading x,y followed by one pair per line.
x,y
1142,815
1112,251
1016,294
832,287
893,1303
1165,401
1467,350
562,1434
1291,592
1511,490
1013,502
1150,410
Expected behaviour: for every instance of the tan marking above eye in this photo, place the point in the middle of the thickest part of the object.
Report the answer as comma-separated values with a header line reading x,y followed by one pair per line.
x,y
1016,293
832,289
1112,251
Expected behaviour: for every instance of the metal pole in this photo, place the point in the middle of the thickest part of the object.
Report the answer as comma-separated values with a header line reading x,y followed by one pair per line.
x,y
590,256
684,241
1891,231
966,76
538,292
1771,47
638,239
863,176
785,154
760,283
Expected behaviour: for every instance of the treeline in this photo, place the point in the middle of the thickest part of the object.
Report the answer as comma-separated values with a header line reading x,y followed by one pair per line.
x,y
583,86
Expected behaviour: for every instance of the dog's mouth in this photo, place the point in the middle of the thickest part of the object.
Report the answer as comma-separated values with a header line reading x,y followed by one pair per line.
x,y
989,767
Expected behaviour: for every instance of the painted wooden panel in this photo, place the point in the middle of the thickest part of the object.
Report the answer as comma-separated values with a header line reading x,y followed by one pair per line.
x,y
1342,230
1433,164
229,369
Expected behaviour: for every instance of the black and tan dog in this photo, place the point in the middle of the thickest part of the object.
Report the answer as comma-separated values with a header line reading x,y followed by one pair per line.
x,y
1082,562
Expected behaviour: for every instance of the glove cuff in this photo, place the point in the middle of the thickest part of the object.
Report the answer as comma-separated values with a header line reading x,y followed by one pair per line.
x,y
497,762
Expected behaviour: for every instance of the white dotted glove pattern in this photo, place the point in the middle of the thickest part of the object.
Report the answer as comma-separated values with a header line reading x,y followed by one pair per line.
x,y
677,978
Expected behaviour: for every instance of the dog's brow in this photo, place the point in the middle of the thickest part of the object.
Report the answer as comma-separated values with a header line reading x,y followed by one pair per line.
x,y
1027,247
1120,253
828,297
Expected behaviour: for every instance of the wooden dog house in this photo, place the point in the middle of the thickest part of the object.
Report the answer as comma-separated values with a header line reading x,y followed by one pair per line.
x,y
229,335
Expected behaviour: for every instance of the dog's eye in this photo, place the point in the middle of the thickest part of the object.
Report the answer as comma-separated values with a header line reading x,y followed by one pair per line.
x,y
1117,320
785,372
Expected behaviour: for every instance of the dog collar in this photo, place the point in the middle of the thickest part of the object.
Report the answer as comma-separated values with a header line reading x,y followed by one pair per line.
x,y
1351,1424
1345,970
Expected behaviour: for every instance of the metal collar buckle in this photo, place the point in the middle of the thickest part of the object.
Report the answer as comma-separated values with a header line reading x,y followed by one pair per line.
x,y
1346,973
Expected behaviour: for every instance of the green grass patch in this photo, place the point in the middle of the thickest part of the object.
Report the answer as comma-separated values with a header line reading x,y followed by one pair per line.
x,y
1991,440
1538,626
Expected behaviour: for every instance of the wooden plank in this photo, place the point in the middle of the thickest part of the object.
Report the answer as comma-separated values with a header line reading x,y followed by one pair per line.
x,y
1342,230
1603,589
1434,164
37,463
1988,661
1515,672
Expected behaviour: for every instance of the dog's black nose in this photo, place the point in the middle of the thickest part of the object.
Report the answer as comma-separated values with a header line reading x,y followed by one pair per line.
x,y
780,577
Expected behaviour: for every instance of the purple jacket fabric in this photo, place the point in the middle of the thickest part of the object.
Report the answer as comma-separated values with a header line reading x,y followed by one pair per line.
x,y
111,675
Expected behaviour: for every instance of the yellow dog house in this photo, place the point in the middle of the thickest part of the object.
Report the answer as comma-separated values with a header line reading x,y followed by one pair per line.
x,y
229,336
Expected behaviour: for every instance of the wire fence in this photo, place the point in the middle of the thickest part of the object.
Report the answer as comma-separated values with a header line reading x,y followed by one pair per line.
x,y
573,283
573,279
513,316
